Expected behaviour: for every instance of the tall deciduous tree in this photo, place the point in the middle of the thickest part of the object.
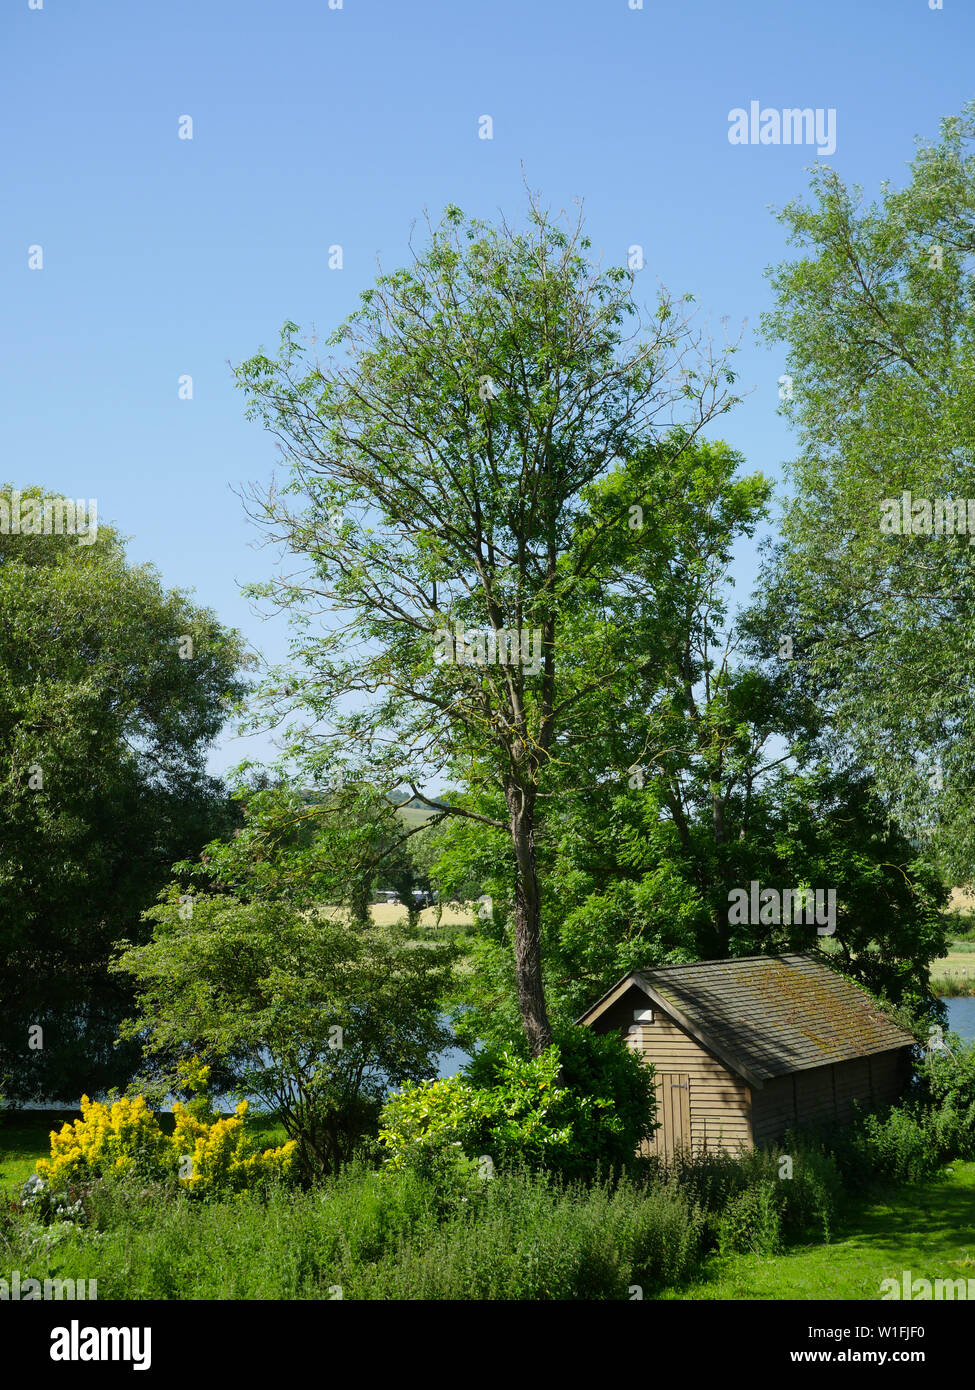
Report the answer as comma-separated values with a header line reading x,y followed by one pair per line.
x,y
439,460
712,778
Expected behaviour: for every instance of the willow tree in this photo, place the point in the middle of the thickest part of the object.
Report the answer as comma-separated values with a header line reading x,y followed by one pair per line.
x,y
874,580
439,460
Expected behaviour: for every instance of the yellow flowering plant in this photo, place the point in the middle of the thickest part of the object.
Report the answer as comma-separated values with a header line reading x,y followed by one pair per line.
x,y
209,1157
216,1158
123,1137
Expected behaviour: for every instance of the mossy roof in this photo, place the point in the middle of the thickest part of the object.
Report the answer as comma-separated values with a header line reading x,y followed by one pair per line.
x,y
767,1016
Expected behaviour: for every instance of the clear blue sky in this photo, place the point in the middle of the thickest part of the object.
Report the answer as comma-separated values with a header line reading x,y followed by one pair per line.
x,y
314,126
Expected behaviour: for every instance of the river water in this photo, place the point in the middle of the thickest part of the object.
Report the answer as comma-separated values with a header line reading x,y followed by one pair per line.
x,y
961,1016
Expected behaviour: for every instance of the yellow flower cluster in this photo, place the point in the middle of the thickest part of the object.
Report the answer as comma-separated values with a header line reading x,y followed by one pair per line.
x,y
219,1158
115,1138
209,1158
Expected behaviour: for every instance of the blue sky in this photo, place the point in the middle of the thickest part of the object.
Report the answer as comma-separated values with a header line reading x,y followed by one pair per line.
x,y
315,126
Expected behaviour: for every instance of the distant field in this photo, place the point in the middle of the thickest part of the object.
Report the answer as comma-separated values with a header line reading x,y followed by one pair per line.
x,y
961,900
957,966
413,816
384,914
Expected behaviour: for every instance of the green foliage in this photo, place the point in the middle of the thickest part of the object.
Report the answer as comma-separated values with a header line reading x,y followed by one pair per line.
x,y
520,1118
606,1099
581,1108
49,1203
376,1236
878,313
946,1080
313,1014
752,1221
894,1145
763,1198
533,1239
630,892
105,724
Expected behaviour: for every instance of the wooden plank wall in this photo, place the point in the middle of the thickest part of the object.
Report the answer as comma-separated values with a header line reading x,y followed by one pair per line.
x,y
852,1080
720,1102
673,1111
889,1074
815,1101
773,1109
826,1094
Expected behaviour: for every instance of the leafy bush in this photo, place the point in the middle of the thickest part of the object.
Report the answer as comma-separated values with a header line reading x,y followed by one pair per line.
x,y
515,1120
945,1086
754,1200
216,1157
123,1138
606,1100
582,1107
893,1144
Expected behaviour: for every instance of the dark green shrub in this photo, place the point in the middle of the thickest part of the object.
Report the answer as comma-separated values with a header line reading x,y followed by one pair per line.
x,y
945,1087
897,1144
752,1220
607,1102
805,1179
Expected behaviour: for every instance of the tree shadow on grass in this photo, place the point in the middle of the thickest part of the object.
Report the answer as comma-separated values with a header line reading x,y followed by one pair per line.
x,y
888,1224
898,1218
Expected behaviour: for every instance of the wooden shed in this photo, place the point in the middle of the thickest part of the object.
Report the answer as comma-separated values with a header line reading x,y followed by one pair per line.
x,y
744,1049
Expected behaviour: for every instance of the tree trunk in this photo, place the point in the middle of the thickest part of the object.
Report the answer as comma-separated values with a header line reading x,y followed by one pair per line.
x,y
722,927
359,903
528,945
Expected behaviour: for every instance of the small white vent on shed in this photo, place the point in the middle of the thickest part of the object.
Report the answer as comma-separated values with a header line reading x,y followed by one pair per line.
x,y
643,1015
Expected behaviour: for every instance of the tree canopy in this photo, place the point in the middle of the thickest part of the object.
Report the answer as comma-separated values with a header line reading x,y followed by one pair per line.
x,y
877,312
111,691
484,480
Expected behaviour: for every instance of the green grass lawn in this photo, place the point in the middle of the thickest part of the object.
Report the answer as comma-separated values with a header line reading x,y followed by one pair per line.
x,y
24,1139
928,1228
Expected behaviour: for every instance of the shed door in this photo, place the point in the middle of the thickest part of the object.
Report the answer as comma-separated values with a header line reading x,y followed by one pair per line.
x,y
673,1110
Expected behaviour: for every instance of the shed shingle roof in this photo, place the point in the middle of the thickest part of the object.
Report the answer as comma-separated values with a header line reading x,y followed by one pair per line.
x,y
768,1016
